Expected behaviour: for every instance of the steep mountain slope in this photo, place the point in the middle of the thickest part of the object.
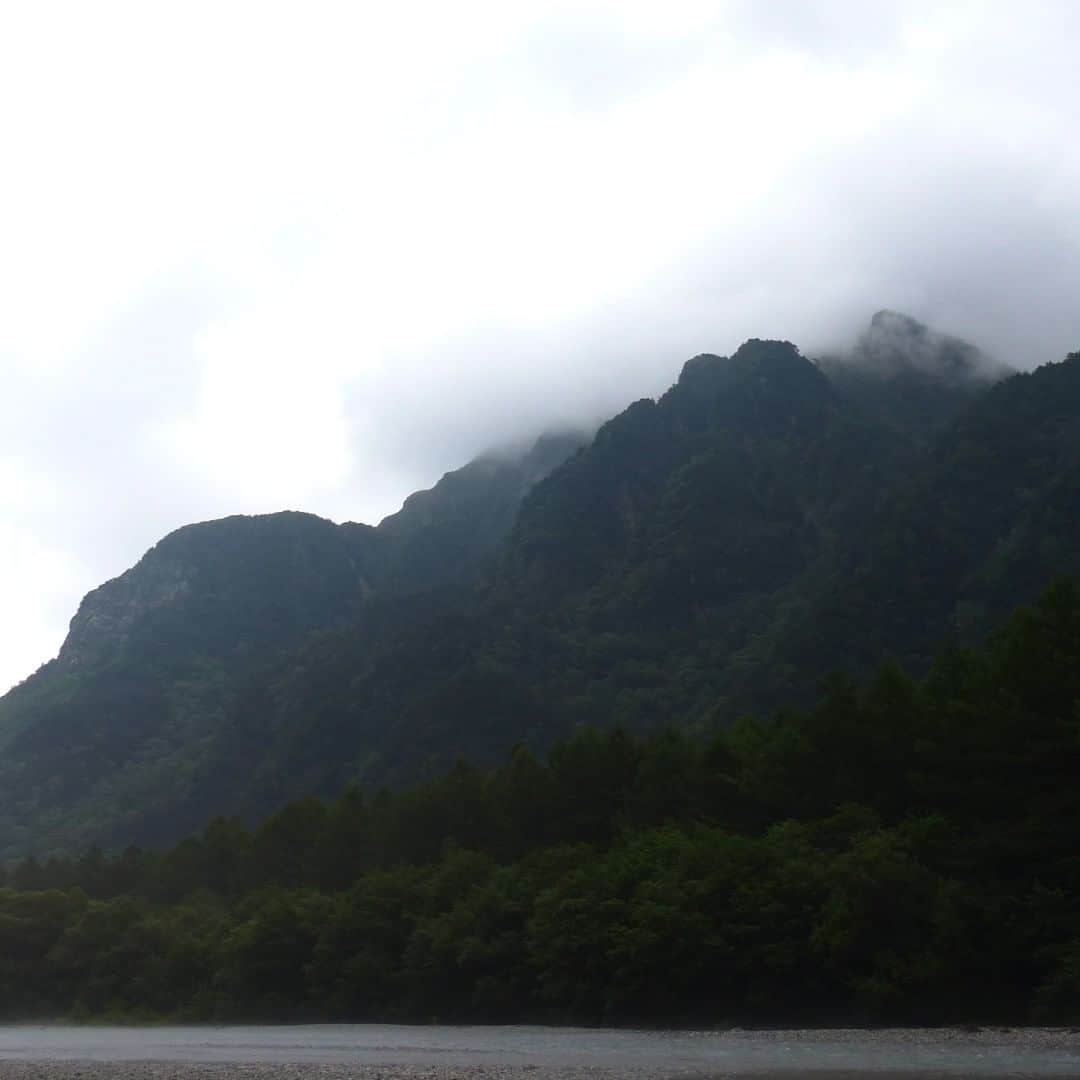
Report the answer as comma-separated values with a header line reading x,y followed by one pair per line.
x,y
717,550
152,659
109,740
657,575
443,535
990,514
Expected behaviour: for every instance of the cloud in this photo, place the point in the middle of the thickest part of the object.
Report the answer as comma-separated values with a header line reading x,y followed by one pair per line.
x,y
260,256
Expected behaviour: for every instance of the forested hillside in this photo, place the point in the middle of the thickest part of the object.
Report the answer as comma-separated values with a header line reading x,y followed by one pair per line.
x,y
767,520
113,740
902,852
714,551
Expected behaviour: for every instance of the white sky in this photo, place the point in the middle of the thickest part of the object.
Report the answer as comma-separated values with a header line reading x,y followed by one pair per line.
x,y
257,256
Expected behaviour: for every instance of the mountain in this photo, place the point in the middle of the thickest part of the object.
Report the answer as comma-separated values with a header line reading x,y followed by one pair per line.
x,y
719,549
659,574
115,733
988,515
910,377
651,551
442,536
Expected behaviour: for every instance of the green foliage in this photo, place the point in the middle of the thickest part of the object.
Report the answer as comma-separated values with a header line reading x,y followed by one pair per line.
x,y
143,726
507,754
903,852
708,554
713,553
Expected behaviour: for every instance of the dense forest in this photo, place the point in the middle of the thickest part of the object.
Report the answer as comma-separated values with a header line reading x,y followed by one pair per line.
x,y
904,850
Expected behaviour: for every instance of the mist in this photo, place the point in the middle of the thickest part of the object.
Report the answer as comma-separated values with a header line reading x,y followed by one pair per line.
x,y
258,258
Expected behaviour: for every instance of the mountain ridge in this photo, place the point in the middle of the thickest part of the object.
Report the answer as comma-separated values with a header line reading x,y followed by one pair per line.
x,y
155,657
710,551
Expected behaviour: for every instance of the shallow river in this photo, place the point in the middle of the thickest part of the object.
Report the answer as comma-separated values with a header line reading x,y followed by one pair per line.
x,y
487,1050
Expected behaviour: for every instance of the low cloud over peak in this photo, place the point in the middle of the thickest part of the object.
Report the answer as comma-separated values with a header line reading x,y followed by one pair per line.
x,y
895,344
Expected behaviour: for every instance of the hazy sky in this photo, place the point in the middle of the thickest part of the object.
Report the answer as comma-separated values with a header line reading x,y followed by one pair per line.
x,y
257,256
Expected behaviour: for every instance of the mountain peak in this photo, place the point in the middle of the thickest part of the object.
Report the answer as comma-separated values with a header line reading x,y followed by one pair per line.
x,y
888,320
698,365
755,355
896,345
779,366
768,355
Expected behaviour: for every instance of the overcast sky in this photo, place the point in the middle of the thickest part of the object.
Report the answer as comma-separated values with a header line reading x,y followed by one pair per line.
x,y
257,256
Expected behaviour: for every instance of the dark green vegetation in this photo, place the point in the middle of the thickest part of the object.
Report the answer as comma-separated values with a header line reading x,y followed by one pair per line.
x,y
710,553
904,852
120,737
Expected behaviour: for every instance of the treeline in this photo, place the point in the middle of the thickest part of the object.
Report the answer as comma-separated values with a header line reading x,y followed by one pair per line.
x,y
903,852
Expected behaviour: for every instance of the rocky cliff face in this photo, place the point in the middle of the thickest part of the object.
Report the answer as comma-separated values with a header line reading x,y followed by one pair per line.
x,y
108,614
212,588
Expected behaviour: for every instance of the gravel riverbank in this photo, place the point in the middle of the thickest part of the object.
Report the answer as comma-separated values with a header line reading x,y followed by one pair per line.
x,y
188,1071
426,1053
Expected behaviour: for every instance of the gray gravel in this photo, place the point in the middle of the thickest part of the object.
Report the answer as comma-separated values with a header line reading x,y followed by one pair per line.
x,y
903,1054
171,1070
189,1071
184,1071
